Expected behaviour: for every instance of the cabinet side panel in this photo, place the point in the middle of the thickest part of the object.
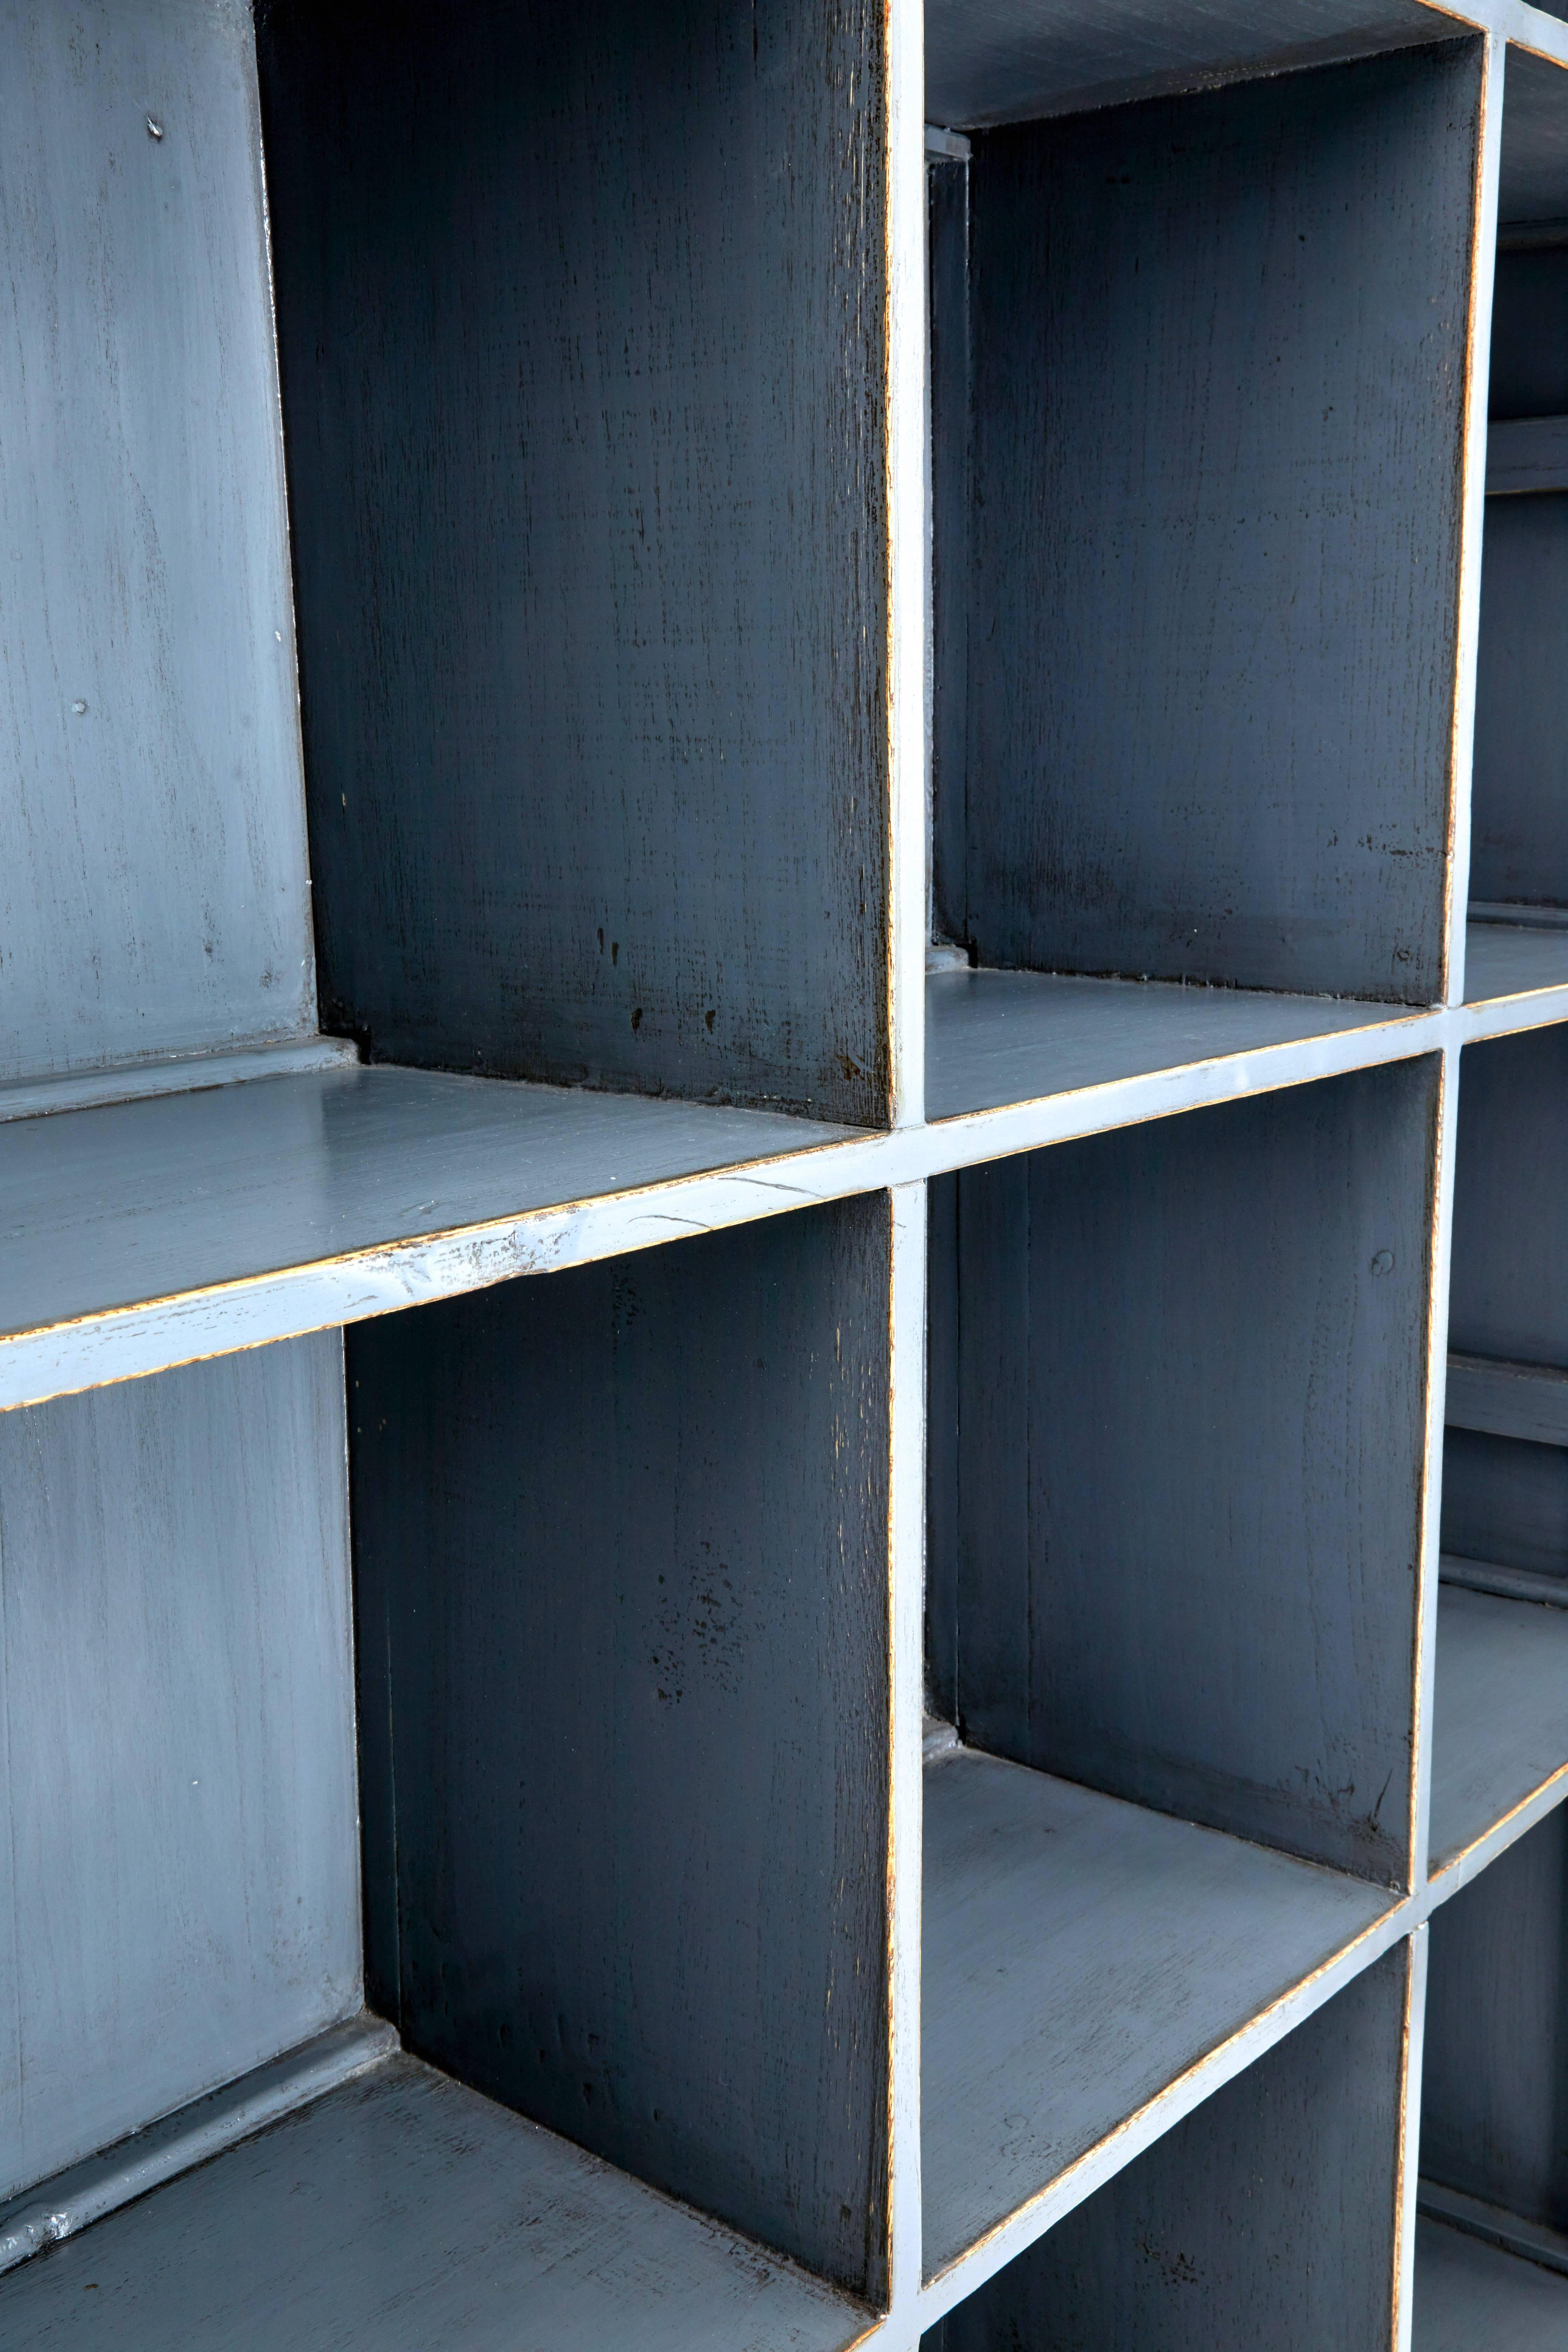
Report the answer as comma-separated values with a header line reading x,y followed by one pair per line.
x,y
1509,1283
180,1899
1494,2101
1218,381
153,877
625,1528
581,319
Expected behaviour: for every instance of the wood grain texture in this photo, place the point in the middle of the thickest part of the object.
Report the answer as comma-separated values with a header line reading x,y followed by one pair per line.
x,y
179,1900
1266,2218
1079,1955
1500,1724
1008,61
1218,426
406,2212
1509,1282
1494,2106
620,1539
1470,2297
1505,1500
581,323
1518,837
1190,1458
153,878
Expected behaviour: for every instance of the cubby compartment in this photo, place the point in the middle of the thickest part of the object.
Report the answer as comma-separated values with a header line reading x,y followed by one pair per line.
x,y
1269,2216
1178,1381
1501,1727
621,1679
1519,824
1197,370
1492,2246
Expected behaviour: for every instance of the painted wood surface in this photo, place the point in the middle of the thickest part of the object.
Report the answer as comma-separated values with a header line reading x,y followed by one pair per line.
x,y
620,1542
180,1900
1494,2112
1234,764
1510,960
582,328
1512,1583
1499,1727
1190,1434
949,361
1529,370
1527,454
1505,1501
1267,2218
1534,181
1470,2297
1081,1955
1495,2226
995,1037
1509,1286
153,877
1008,61
1523,1401
1519,825
405,2212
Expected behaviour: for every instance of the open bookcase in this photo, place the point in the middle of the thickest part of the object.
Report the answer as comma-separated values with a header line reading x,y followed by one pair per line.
x,y
783,1132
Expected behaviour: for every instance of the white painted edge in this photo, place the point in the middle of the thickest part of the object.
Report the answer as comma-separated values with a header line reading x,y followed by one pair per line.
x,y
1409,2139
187,1074
906,1676
1441,1248
58,2208
908,571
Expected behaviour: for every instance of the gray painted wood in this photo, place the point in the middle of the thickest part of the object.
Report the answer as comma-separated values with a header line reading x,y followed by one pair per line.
x,y
942,1397
1509,1283
1519,836
620,1541
581,319
1266,2218
1193,320
99,1208
1505,1501
1508,960
1528,371
1523,1401
1526,453
1533,182
947,314
405,2212
180,1897
1512,1583
1192,1424
1494,2111
995,1037
1007,60
153,877
1079,1954
1500,1722
1495,2226
1471,2297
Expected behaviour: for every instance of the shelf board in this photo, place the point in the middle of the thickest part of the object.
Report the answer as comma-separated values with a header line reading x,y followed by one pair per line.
x,y
997,1038
1526,453
402,2210
1507,1400
1499,1719
1083,1957
145,1233
1504,962
1472,2297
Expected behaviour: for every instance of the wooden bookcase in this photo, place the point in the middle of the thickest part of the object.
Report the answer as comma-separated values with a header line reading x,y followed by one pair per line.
x,y
783,1144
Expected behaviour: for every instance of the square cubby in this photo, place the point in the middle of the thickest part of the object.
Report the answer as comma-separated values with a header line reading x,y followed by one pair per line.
x,y
1271,2215
449,1880
1492,2245
1178,1380
1198,368
1500,1722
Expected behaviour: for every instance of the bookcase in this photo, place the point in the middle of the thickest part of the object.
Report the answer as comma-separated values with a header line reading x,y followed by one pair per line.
x,y
783,1131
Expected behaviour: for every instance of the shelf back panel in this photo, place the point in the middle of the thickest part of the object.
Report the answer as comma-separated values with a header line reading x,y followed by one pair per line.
x,y
1217,400
1519,825
620,1537
582,322
176,1718
1508,1278
152,874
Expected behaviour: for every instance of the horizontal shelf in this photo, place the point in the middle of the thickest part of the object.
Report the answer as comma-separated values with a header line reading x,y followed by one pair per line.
x,y
400,2212
1509,1583
1494,2225
145,1233
1082,1958
1500,1722
998,1038
1473,2298
1526,453
1524,1401
1505,961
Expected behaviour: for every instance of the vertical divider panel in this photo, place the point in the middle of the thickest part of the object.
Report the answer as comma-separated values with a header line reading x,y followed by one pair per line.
x,y
1472,513
1409,2139
908,744
1442,1196
906,1570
